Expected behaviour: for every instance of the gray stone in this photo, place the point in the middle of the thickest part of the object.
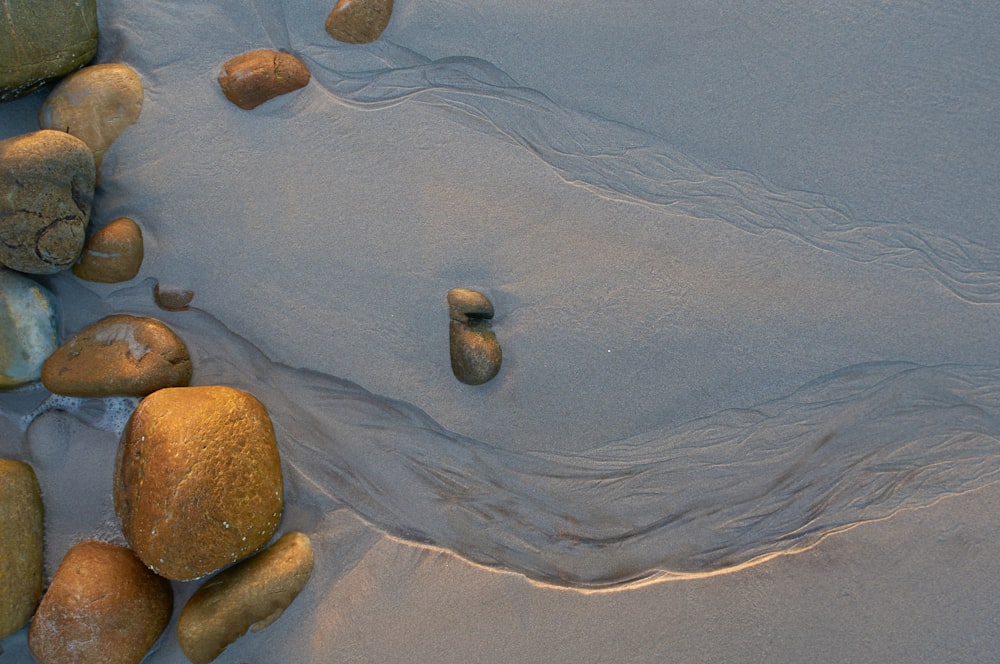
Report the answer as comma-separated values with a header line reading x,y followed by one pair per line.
x,y
28,333
46,192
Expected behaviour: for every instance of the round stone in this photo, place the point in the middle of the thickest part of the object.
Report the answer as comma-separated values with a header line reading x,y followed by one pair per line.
x,y
248,596
197,482
46,191
251,78
21,558
475,352
112,254
103,605
465,304
172,298
120,355
358,21
40,41
28,332
95,104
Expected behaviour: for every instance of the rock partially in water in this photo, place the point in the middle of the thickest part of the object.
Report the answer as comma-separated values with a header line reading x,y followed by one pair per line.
x,y
95,104
120,355
46,192
28,328
475,352
103,605
197,482
40,41
112,254
248,596
251,78
358,21
21,532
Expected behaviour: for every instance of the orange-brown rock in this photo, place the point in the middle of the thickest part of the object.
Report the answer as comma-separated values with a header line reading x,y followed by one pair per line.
x,y
251,78
358,21
475,352
197,482
103,605
172,298
120,355
20,545
248,596
112,254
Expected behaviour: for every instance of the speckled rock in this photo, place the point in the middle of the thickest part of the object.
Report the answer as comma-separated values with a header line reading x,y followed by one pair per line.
x,y
40,41
358,21
475,352
172,298
248,596
120,355
95,104
198,480
251,78
103,605
46,191
28,333
21,561
112,254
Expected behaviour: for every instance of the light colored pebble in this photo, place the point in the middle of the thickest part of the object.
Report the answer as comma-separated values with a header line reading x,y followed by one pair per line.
x,y
28,332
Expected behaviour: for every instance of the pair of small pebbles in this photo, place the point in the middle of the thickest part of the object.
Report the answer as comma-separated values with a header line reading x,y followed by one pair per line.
x,y
475,351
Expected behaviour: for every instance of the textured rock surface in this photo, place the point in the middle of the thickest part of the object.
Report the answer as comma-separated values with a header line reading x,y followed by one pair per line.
x,y
112,254
358,21
248,596
21,534
475,352
103,605
198,480
120,355
95,104
40,41
28,332
251,78
46,191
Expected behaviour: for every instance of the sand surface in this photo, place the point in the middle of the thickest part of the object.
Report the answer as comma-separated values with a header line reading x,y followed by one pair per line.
x,y
747,282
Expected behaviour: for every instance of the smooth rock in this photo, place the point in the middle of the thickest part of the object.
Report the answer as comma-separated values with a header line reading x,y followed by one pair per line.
x,y
248,596
95,104
197,482
251,78
465,305
172,298
358,21
475,351
112,254
120,355
46,191
103,605
21,532
28,328
40,41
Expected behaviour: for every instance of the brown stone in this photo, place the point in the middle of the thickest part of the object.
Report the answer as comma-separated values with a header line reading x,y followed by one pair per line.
x,y
465,305
172,298
103,605
248,596
358,21
251,78
21,535
120,355
112,254
475,352
46,191
197,482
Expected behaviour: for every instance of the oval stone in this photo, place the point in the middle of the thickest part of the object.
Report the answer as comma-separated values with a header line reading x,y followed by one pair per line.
x,y
475,352
197,482
21,532
103,605
112,254
172,298
358,21
95,104
120,355
251,78
248,596
46,192
40,41
28,332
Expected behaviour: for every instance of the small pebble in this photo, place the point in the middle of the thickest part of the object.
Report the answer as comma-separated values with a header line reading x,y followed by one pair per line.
x,y
103,605
475,352
21,560
28,328
358,21
120,355
250,79
197,481
112,254
248,596
172,298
